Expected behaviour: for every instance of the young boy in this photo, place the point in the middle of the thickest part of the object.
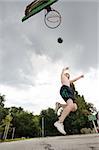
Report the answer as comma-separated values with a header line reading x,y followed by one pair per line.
x,y
68,95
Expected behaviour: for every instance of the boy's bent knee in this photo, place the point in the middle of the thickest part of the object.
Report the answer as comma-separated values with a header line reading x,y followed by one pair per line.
x,y
71,106
74,108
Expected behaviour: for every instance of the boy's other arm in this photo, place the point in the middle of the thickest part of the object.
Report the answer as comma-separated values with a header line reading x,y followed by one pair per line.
x,y
82,76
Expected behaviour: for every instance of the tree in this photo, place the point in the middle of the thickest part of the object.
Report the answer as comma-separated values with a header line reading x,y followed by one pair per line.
x,y
26,124
79,119
2,100
74,122
3,113
49,119
5,125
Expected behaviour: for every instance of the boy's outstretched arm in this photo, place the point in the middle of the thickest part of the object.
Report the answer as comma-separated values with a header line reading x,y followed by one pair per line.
x,y
82,76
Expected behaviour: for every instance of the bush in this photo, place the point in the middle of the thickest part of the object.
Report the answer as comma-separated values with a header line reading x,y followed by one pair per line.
x,y
86,130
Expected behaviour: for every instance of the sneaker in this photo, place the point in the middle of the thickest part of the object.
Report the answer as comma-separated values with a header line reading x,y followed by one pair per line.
x,y
60,127
57,106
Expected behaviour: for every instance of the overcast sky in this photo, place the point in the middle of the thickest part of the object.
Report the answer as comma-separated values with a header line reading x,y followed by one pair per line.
x,y
31,60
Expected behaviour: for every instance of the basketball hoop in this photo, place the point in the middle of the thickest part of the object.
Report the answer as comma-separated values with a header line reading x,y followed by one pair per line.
x,y
52,18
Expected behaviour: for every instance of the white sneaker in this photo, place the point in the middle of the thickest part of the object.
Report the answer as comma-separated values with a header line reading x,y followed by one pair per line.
x,y
60,127
57,106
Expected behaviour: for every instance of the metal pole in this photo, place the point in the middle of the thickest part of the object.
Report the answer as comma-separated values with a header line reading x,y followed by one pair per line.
x,y
13,131
94,126
98,122
42,126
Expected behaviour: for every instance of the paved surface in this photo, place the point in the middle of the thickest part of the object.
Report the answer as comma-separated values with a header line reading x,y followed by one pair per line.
x,y
75,142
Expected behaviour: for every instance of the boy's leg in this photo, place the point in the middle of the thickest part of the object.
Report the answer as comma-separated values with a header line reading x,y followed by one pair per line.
x,y
75,107
63,105
69,107
59,105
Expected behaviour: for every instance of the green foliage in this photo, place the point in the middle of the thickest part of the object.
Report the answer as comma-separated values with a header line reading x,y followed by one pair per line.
x,y
28,125
49,119
3,111
79,119
2,100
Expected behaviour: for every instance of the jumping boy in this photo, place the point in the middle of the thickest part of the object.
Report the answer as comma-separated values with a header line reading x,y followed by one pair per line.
x,y
68,95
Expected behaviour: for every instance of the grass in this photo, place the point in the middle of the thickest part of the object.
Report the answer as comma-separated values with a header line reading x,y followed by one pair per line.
x,y
16,139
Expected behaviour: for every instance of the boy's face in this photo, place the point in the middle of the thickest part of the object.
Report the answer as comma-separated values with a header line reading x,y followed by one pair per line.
x,y
67,75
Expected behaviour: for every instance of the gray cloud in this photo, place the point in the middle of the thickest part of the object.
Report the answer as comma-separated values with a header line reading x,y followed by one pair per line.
x,y
81,27
15,61
19,41
79,32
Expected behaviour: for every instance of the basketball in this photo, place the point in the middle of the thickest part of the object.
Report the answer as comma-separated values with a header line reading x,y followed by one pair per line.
x,y
59,40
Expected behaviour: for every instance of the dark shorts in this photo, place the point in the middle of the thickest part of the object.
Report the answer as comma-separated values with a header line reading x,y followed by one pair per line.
x,y
66,92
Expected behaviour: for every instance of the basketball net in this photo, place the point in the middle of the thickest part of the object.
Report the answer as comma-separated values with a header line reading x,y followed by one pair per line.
x,y
52,19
